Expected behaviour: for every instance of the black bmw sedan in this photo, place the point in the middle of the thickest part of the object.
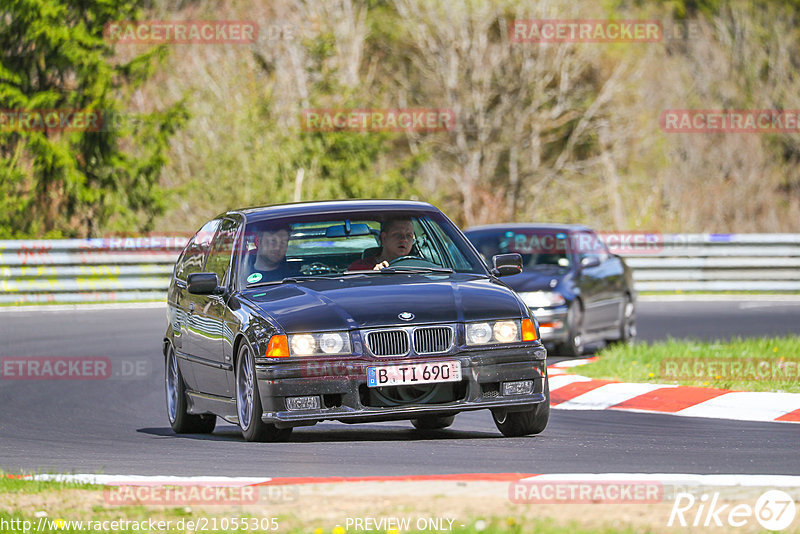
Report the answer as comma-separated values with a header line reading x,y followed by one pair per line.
x,y
353,311
579,291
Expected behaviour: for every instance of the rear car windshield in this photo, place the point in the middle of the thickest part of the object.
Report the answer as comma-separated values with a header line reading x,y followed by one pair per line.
x,y
537,247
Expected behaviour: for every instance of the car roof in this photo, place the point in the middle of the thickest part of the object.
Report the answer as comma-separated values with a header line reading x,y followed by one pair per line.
x,y
555,227
261,213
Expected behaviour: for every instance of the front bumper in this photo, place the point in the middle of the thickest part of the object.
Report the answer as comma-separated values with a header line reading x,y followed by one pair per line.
x,y
340,385
553,327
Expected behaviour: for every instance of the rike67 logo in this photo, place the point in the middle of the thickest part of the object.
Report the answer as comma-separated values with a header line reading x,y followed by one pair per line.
x,y
774,510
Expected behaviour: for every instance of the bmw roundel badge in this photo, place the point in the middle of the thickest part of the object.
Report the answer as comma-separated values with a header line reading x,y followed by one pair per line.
x,y
406,316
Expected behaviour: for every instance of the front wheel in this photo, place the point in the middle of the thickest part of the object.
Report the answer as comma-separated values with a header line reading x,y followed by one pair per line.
x,y
574,345
627,331
515,424
433,422
180,420
248,402
627,324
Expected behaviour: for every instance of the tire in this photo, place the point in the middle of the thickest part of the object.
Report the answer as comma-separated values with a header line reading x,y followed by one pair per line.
x,y
574,346
515,424
627,324
627,329
248,402
433,422
180,420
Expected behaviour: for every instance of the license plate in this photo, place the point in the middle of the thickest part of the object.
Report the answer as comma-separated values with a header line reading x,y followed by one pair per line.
x,y
416,373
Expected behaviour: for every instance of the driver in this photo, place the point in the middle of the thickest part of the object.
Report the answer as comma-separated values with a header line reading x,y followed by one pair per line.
x,y
397,238
269,262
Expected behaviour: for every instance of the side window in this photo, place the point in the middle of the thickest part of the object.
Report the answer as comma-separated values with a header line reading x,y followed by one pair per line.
x,y
219,259
195,253
455,256
589,244
425,244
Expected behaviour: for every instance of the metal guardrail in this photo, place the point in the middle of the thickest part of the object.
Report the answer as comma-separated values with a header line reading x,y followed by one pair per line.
x,y
87,270
128,269
717,262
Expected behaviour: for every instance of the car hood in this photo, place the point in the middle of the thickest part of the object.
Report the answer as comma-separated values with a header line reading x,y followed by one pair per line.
x,y
377,300
538,280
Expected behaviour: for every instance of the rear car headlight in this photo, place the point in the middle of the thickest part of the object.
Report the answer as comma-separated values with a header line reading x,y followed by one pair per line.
x,y
326,343
543,299
493,332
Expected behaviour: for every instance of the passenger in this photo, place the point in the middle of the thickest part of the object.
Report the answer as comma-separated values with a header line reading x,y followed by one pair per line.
x,y
269,262
397,239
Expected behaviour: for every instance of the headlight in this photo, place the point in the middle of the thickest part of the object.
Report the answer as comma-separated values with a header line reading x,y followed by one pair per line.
x,y
303,344
327,343
479,333
493,332
334,342
543,299
506,331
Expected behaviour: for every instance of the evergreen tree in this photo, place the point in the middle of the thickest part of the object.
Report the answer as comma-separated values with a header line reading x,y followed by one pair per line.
x,y
75,181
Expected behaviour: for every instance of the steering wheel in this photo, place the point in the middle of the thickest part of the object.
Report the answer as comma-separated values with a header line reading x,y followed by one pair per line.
x,y
402,258
414,261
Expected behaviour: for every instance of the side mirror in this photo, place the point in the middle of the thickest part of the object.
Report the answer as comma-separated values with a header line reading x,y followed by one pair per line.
x,y
202,283
507,264
590,261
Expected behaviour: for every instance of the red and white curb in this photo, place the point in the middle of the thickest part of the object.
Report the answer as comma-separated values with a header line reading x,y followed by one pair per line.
x,y
222,481
146,480
575,392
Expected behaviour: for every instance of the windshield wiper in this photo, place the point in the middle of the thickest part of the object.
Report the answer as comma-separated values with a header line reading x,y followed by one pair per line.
x,y
400,269
304,278
288,279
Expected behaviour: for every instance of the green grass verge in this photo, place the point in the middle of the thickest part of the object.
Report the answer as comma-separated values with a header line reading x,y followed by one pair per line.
x,y
756,364
56,510
14,484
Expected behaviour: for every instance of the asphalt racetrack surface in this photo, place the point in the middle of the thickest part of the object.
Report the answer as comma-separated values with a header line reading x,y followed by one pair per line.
x,y
119,425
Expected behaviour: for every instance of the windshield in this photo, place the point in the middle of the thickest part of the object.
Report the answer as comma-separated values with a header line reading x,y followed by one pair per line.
x,y
331,246
539,249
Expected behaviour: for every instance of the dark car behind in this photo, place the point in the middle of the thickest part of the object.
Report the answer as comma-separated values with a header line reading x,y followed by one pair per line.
x,y
579,291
